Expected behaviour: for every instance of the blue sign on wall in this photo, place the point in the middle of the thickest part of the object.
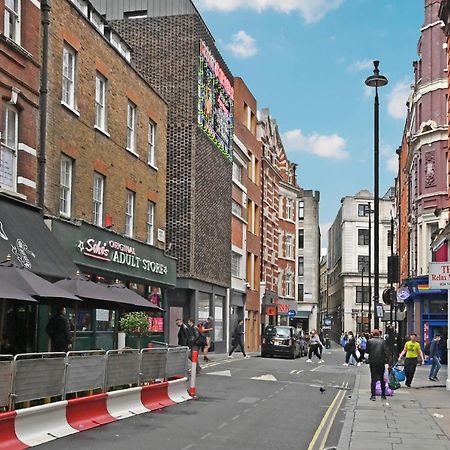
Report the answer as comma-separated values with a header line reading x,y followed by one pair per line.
x,y
292,313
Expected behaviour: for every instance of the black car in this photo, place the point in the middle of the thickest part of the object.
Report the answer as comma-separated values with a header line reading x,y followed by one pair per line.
x,y
282,341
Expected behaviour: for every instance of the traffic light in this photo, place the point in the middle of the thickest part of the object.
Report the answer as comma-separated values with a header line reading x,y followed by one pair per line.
x,y
393,269
388,296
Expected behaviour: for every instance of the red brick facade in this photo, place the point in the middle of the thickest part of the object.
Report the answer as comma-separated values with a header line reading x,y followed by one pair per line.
x,y
19,91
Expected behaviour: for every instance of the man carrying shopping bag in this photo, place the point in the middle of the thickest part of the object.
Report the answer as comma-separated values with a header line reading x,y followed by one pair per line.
x,y
378,362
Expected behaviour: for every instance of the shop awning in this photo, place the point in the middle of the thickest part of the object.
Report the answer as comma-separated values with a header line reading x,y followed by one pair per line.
x,y
25,237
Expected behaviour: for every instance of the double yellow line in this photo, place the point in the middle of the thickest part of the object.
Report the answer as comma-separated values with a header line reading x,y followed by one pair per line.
x,y
324,428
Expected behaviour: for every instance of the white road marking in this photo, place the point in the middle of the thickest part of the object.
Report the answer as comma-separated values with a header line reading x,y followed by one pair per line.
x,y
246,411
236,417
315,368
293,371
267,377
206,435
264,399
299,371
188,446
223,373
223,425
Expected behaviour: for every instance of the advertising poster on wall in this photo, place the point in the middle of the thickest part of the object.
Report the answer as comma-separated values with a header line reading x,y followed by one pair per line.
x,y
215,102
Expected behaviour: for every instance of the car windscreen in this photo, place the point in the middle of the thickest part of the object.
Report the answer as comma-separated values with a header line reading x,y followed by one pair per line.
x,y
277,332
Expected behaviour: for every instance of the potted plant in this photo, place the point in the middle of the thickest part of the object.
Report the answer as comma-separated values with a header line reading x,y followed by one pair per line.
x,y
135,324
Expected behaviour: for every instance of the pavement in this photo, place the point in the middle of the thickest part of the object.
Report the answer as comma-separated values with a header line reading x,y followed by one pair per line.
x,y
414,418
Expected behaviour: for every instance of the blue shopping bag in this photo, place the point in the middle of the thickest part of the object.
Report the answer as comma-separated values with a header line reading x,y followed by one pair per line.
x,y
399,372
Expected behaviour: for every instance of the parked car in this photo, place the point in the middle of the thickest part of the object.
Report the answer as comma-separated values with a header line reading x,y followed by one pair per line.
x,y
282,341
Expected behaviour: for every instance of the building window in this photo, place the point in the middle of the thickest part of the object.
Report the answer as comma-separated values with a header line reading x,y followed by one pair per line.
x,y
131,127
362,294
289,246
288,285
236,208
68,81
150,222
8,148
99,186
100,102
151,139
129,213
236,264
389,238
65,190
301,210
301,266
12,20
363,210
289,209
219,306
301,293
363,263
237,172
363,237
301,238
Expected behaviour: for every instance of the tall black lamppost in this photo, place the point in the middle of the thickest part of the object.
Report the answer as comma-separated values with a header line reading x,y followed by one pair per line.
x,y
369,315
361,330
376,80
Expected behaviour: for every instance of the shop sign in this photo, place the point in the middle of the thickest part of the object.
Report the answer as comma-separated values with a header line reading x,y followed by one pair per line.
x,y
439,275
271,311
156,324
119,253
283,308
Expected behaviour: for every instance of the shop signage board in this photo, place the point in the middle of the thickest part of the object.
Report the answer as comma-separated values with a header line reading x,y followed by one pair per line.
x,y
113,255
439,275
271,310
283,308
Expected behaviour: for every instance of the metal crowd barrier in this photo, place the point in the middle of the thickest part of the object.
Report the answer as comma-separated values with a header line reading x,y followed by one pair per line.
x,y
34,376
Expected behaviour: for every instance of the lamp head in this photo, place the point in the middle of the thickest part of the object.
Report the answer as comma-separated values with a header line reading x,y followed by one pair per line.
x,y
376,80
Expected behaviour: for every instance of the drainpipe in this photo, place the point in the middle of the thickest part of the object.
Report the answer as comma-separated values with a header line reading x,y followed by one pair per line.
x,y
43,93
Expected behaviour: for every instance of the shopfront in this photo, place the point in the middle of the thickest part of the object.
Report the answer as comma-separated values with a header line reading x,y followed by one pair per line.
x,y
27,242
426,311
108,257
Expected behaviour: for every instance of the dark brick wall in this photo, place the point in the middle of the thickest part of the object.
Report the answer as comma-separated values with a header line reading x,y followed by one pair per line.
x,y
166,52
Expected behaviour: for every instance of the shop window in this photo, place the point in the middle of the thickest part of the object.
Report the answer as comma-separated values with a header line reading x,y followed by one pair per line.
x,y
203,306
219,302
105,319
81,320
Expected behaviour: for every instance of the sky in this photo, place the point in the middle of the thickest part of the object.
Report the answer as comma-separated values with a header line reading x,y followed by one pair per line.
x,y
306,60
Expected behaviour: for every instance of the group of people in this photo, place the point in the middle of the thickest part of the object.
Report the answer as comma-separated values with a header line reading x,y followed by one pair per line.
x,y
352,345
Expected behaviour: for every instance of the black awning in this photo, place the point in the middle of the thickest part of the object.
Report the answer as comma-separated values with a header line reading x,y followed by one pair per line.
x,y
25,237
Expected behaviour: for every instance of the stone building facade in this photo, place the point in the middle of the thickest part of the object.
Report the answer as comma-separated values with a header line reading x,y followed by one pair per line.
x,y
175,52
20,58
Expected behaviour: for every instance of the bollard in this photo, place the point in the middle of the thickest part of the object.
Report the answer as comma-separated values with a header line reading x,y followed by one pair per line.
x,y
194,360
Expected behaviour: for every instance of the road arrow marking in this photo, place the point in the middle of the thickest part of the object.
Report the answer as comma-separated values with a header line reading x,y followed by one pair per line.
x,y
267,377
223,373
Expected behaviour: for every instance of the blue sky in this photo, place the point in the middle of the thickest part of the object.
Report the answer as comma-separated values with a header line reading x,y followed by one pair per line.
x,y
307,61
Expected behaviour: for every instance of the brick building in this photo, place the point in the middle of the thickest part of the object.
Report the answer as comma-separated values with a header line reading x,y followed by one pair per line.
x,y
19,90
246,209
175,52
278,225
106,164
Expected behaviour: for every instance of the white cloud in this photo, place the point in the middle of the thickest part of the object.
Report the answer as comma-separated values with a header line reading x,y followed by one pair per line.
x,y
311,10
242,45
331,146
397,99
362,64
392,164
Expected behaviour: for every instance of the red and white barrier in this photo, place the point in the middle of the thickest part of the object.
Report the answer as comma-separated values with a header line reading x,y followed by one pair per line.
x,y
39,424
193,372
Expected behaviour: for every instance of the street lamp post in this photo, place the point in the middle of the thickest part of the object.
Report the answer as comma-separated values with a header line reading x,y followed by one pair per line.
x,y
376,80
369,315
362,300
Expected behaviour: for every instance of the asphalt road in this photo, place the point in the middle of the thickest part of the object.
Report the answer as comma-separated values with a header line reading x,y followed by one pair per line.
x,y
254,403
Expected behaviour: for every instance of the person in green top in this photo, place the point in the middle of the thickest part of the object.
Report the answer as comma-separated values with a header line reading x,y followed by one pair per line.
x,y
412,351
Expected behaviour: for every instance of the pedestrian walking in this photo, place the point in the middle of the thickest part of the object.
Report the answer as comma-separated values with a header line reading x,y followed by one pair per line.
x,y
378,359
58,329
183,333
195,340
315,347
208,328
361,343
350,350
435,356
411,352
238,339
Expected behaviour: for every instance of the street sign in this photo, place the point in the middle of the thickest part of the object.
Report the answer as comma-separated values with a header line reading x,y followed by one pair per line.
x,y
379,310
292,313
403,294
271,310
439,275
327,322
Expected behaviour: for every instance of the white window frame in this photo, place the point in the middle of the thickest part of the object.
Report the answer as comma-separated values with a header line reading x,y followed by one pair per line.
x,y
131,127
100,102
236,208
237,172
151,143
301,209
288,285
12,20
69,77
236,264
129,213
289,209
151,222
98,192
9,145
65,186
289,246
